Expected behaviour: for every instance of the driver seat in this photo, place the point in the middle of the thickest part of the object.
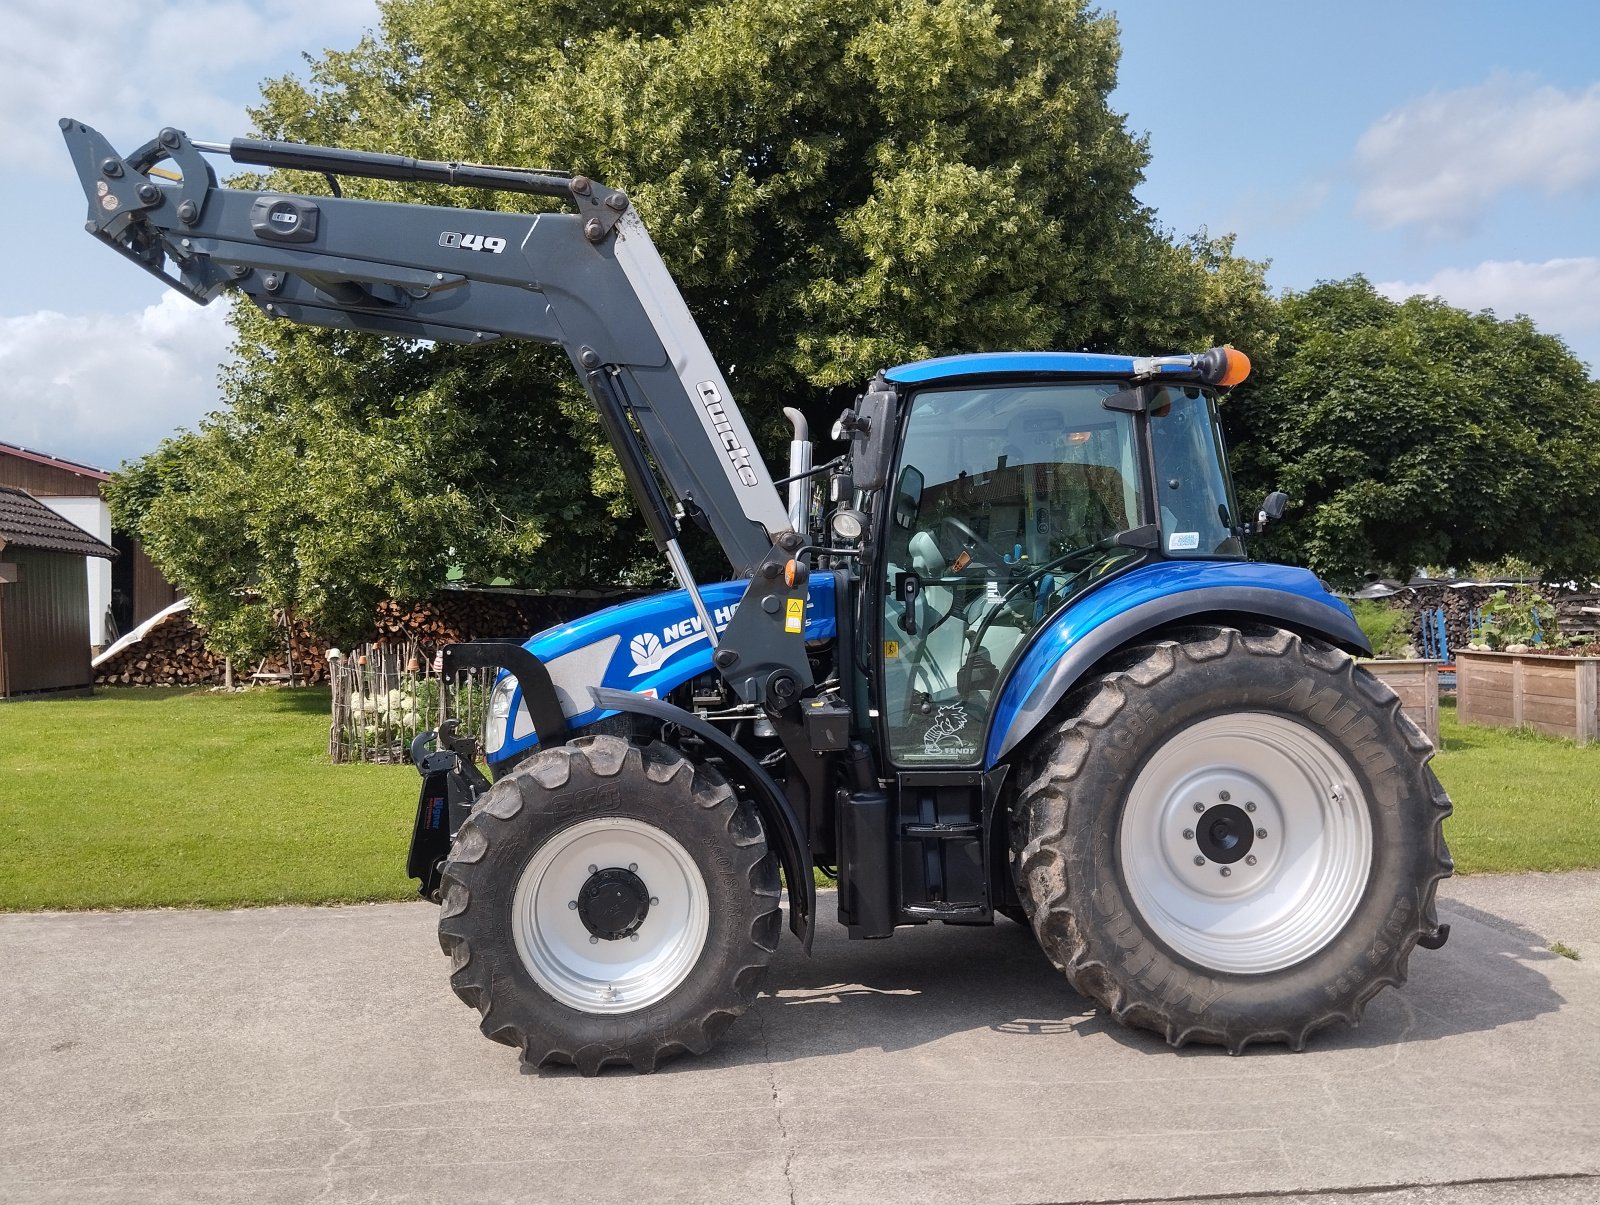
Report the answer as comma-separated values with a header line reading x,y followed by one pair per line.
x,y
939,645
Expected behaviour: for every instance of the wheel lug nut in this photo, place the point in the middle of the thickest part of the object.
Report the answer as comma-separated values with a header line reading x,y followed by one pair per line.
x,y
1199,807
654,901
1261,832
594,941
1188,834
633,867
633,937
1250,807
1199,860
1226,872
1224,796
593,869
1250,859
572,903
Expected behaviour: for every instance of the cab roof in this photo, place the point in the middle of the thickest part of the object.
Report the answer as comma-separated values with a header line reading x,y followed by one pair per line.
x,y
1017,363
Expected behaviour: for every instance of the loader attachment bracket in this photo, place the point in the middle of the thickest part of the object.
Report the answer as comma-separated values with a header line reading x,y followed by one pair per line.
x,y
451,784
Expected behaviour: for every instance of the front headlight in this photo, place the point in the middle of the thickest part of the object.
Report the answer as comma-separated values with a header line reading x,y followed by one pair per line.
x,y
498,721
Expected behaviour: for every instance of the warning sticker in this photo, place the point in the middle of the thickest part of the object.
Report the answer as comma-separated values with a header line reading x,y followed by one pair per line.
x,y
891,649
1183,541
794,615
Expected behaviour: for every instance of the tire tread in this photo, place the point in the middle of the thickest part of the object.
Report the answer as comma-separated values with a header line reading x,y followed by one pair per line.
x,y
1042,814
663,769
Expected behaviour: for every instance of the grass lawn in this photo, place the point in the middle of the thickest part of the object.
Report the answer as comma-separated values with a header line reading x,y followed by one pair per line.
x,y
140,798
1524,801
145,797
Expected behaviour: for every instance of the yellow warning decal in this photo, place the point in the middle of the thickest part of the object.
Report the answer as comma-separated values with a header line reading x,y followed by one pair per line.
x,y
891,649
794,616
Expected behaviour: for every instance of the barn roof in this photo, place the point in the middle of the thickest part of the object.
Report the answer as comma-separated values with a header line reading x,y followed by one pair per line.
x,y
55,462
25,522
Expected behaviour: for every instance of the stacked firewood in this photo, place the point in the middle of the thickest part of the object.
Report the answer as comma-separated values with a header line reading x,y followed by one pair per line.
x,y
174,652
1460,604
1577,613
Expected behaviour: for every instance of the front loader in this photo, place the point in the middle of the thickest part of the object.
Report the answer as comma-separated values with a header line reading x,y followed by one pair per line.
x,y
1004,657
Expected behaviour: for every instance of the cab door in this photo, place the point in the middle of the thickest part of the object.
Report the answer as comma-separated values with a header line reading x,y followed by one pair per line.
x,y
1002,508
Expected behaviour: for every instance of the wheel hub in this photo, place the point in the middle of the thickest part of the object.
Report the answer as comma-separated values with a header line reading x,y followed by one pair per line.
x,y
1245,842
578,917
1225,834
613,903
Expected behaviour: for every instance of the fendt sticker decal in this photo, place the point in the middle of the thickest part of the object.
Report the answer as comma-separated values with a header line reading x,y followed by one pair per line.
x,y
944,737
472,242
738,454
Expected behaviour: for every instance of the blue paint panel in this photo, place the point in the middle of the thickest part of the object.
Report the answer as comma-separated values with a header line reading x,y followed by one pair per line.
x,y
1034,363
662,644
1160,580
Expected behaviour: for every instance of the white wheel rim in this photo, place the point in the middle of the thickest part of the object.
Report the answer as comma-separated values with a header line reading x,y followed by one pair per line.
x,y
596,975
1290,892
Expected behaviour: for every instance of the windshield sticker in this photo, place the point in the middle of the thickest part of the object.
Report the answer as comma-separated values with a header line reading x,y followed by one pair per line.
x,y
943,738
1183,541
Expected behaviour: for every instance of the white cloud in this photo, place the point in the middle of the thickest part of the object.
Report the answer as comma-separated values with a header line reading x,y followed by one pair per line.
x,y
1562,296
130,69
103,388
1440,161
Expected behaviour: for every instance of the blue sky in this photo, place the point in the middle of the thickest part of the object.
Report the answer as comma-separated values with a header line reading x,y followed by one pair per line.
x,y
1445,148
1451,148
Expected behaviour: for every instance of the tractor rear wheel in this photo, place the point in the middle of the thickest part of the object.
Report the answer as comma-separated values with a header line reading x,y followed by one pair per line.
x,y
609,903
1234,837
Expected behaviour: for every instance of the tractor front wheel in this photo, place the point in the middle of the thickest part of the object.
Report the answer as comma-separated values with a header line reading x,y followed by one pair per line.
x,y
1233,837
609,903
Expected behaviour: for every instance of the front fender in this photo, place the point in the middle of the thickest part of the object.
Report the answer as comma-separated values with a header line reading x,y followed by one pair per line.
x,y
1077,637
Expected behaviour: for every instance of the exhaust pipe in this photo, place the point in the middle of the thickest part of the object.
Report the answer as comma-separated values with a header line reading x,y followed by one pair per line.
x,y
799,462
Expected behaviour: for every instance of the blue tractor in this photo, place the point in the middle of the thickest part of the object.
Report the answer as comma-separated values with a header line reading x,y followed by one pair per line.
x,y
1004,657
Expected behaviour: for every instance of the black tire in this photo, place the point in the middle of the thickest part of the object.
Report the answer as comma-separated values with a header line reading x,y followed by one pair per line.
x,y
543,803
1068,838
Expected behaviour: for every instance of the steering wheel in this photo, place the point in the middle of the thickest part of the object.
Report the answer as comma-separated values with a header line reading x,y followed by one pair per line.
x,y
1033,575
983,552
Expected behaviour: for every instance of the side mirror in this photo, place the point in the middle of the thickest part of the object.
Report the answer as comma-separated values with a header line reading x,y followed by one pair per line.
x,y
908,498
1272,507
870,430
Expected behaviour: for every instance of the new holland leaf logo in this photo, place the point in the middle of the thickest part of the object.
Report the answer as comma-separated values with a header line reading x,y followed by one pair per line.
x,y
647,653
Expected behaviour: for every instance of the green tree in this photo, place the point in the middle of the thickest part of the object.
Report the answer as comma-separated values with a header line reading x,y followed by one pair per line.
x,y
837,185
1413,433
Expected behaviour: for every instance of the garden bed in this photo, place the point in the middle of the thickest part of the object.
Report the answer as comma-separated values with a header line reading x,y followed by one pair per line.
x,y
1417,684
1559,695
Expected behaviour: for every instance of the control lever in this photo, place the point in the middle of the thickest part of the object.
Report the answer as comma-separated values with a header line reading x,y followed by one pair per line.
x,y
910,587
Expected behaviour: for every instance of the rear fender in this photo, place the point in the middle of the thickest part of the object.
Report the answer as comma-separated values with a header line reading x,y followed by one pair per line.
x,y
1067,648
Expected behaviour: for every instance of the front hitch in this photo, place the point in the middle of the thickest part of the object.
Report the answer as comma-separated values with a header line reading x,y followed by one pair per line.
x,y
451,784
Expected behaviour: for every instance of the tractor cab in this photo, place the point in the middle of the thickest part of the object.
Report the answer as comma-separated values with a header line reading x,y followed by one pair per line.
x,y
1023,482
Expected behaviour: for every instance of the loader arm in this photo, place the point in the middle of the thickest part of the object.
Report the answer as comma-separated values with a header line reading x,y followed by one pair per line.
x,y
590,282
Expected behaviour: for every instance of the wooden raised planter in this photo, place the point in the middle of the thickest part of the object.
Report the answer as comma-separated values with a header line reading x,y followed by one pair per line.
x,y
1557,695
1417,684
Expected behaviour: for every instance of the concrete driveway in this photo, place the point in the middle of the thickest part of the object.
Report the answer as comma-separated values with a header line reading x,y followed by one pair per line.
x,y
316,1054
